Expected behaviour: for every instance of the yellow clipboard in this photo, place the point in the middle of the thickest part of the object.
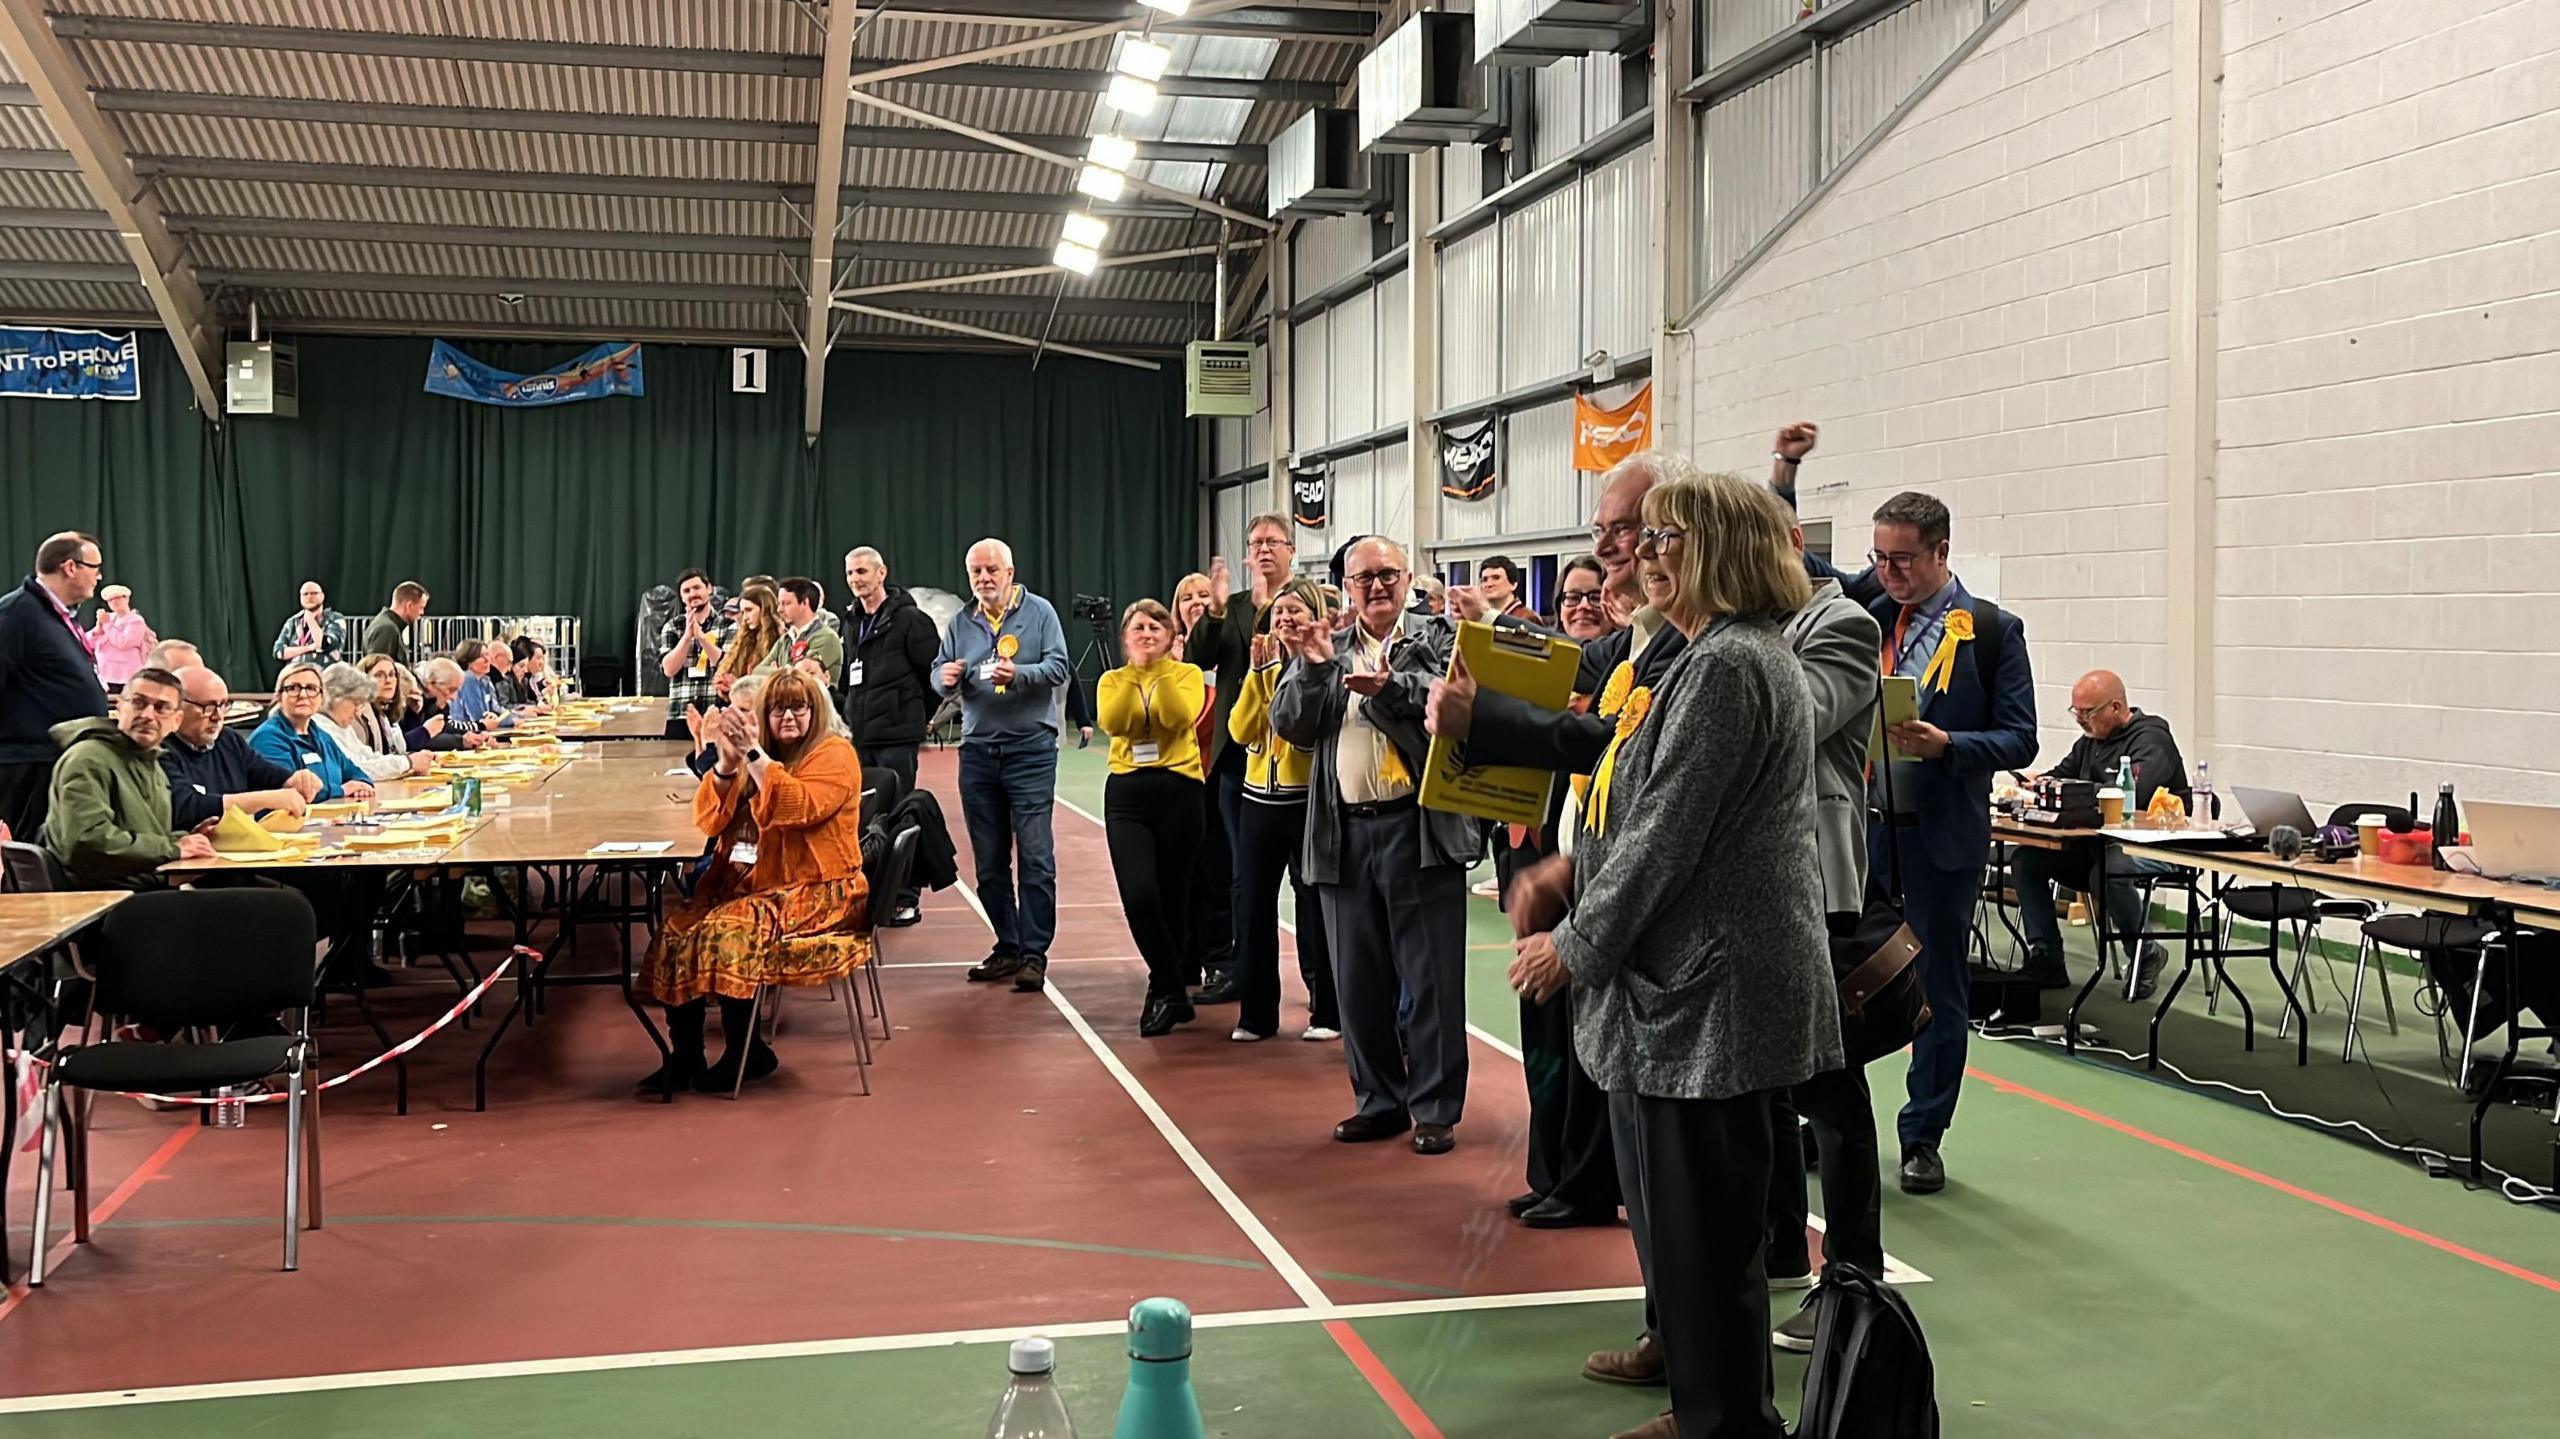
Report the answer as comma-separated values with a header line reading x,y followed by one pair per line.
x,y
1538,669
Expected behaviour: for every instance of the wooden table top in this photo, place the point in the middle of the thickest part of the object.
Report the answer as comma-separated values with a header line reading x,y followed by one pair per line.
x,y
612,794
30,923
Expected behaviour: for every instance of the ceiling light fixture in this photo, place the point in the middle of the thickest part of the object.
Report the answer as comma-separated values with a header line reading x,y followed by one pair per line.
x,y
1145,59
1130,95
1113,152
1086,229
1101,184
1078,258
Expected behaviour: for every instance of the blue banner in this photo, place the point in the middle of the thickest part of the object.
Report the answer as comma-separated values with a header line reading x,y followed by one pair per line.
x,y
42,363
604,370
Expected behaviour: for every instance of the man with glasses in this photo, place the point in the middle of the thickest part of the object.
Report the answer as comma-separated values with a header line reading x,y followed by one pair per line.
x,y
2111,731
1221,643
1391,874
1977,716
110,824
47,674
210,766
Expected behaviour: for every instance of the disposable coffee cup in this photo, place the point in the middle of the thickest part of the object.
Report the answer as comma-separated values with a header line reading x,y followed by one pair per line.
x,y
2369,838
2111,807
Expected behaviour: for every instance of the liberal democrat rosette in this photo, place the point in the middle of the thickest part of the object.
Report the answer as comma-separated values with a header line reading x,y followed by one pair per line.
x,y
1007,646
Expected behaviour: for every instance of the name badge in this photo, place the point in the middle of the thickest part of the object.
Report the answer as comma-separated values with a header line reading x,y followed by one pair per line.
x,y
742,854
309,759
852,673
986,669
1145,752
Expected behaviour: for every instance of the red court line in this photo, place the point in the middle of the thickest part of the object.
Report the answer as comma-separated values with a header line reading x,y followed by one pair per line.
x,y
143,1173
1363,1358
2242,1171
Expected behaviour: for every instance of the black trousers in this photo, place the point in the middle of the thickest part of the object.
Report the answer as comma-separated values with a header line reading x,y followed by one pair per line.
x,y
26,793
900,760
1269,838
1152,819
1217,884
1844,1133
1571,1157
1703,1169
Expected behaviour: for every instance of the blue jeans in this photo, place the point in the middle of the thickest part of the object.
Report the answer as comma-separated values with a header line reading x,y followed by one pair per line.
x,y
2038,870
1008,788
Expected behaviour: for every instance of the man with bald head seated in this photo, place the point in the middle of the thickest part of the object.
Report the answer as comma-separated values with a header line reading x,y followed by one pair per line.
x,y
2111,729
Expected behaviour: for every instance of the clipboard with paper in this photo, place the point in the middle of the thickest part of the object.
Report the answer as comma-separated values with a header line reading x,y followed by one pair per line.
x,y
1534,668
1901,705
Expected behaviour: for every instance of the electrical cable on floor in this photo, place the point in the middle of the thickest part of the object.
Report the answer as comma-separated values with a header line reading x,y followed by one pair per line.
x,y
2514,1189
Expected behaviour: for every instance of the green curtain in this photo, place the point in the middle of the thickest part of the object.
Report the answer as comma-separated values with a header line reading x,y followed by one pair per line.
x,y
1085,468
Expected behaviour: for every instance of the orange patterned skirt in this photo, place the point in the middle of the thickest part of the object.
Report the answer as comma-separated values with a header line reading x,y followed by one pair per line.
x,y
729,942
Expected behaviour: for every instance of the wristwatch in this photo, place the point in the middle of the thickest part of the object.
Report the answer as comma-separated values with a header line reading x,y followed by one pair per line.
x,y
754,755
1783,458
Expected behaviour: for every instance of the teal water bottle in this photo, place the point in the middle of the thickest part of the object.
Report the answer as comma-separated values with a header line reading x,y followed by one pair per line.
x,y
1159,1404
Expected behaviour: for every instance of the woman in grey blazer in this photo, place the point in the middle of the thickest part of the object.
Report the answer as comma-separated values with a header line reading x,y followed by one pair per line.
x,y
1695,942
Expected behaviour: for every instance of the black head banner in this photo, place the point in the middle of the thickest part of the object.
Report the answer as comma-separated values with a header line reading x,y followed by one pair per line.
x,y
1311,496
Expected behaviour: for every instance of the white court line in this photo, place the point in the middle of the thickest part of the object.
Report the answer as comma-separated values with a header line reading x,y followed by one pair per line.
x,y
1895,1271
795,1349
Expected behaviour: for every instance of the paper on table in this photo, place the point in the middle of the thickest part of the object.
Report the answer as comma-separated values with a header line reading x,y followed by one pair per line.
x,y
1901,706
654,846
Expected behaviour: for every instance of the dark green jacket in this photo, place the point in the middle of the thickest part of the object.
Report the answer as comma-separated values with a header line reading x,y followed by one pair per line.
x,y
386,635
109,824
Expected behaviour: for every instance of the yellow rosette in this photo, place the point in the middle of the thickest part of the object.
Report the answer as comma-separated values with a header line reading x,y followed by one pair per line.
x,y
1007,647
1613,700
1942,665
1595,811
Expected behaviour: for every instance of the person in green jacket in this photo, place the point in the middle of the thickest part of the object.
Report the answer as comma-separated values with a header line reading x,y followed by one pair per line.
x,y
807,646
109,822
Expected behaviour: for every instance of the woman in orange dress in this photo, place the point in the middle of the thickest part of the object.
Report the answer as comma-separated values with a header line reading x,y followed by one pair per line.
x,y
801,786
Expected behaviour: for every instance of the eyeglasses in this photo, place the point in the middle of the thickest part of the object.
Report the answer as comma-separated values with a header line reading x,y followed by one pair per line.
x,y
1268,542
1600,534
300,689
1571,598
1374,579
1656,539
2088,712
1897,561
799,710
210,707
91,565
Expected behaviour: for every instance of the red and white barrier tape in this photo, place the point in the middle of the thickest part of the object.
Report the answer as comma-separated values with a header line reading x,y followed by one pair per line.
x,y
33,1065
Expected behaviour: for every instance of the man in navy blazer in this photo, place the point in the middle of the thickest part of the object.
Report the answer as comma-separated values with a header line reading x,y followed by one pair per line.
x,y
1977,717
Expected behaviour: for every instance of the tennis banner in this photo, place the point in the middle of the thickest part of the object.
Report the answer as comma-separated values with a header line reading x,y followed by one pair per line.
x,y
604,370
43,363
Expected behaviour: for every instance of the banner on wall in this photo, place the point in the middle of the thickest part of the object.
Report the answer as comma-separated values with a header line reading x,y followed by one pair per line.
x,y
40,362
1467,469
1311,495
1602,438
612,369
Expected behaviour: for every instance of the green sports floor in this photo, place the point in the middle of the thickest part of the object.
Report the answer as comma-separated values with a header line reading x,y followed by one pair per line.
x,y
2116,1255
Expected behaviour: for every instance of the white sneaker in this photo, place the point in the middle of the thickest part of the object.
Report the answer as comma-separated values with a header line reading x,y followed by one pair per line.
x,y
1318,1034
1244,1036
1490,889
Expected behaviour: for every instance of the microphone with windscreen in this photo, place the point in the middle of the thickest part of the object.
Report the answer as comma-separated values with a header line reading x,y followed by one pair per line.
x,y
2285,843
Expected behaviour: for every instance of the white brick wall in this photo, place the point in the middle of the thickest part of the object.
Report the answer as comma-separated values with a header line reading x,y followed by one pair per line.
x,y
2389,579
1979,310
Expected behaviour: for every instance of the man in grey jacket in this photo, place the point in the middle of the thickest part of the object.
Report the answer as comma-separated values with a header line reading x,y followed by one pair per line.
x,y
1391,874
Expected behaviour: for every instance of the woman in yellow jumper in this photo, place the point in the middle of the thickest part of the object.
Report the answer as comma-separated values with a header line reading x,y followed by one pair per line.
x,y
1152,810
1270,832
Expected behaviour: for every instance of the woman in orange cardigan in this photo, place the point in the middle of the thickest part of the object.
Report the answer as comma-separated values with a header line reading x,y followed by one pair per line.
x,y
801,881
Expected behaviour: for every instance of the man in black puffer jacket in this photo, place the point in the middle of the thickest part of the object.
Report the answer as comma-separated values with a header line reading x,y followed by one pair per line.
x,y
887,695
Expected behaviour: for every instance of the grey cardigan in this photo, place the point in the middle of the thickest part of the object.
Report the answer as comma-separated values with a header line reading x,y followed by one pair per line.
x,y
1839,645
1307,709
1700,963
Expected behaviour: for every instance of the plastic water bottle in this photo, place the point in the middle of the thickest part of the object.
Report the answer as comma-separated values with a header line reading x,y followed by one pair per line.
x,y
1032,1407
230,1111
2200,810
1159,1404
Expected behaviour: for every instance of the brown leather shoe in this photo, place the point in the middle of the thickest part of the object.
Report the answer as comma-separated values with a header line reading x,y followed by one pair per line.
x,y
1640,1364
1661,1426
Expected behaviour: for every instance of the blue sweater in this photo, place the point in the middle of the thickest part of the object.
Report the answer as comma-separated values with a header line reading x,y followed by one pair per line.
x,y
1029,705
476,698
275,740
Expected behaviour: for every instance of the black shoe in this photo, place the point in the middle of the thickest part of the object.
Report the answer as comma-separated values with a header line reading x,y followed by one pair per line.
x,y
1163,1013
1221,989
1362,1128
902,916
1923,1172
678,1073
2046,971
998,965
1520,1204
1435,1139
722,1078
2146,972
1555,1213
1032,975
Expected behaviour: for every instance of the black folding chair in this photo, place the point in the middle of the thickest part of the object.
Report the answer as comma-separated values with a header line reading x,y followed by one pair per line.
x,y
184,960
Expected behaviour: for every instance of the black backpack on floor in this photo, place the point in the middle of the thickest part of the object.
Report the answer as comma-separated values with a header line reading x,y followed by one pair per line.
x,y
1871,1377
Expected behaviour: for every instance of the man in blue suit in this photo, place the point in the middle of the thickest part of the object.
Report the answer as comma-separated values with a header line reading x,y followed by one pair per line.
x,y
1977,717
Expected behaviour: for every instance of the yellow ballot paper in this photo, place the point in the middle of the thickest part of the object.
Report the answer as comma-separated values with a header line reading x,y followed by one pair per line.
x,y
1532,667
236,833
1901,706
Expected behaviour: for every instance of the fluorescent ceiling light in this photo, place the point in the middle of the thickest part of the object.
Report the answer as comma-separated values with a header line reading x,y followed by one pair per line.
x,y
1086,230
1101,184
1145,59
1113,152
1075,257
1170,7
1130,95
